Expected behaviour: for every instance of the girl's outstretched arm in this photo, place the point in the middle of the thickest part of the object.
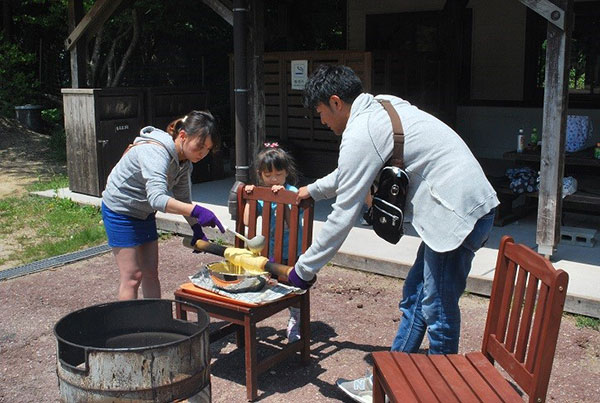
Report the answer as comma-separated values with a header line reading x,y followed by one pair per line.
x,y
246,218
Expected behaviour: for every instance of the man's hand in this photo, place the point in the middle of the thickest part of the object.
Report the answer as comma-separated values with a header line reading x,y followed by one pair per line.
x,y
296,281
302,193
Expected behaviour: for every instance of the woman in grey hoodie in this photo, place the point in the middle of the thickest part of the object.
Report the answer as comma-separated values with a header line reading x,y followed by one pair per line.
x,y
154,175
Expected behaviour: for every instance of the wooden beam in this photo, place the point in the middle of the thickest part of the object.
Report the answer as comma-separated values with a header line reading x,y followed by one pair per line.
x,y
452,25
92,21
78,53
556,91
221,7
548,10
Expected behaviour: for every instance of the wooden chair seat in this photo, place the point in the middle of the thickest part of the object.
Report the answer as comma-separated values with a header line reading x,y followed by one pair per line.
x,y
439,378
521,333
243,318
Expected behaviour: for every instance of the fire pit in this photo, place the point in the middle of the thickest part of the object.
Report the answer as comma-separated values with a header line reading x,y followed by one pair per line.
x,y
132,351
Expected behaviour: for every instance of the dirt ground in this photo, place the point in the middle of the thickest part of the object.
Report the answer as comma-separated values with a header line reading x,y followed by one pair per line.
x,y
23,160
23,157
352,314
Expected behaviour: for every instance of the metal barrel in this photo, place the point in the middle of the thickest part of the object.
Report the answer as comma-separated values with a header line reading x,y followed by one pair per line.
x,y
132,351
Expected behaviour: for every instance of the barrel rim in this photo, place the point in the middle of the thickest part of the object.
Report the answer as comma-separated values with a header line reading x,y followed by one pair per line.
x,y
202,326
29,107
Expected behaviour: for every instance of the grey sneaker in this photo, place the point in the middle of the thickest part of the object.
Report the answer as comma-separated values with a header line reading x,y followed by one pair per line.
x,y
293,327
360,390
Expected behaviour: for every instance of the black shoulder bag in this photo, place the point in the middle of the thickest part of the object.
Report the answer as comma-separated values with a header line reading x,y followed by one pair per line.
x,y
388,192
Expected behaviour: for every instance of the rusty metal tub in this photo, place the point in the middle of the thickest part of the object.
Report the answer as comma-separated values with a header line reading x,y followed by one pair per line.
x,y
132,351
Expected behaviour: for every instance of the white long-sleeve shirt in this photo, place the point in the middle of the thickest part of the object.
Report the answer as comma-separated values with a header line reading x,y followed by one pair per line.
x,y
448,190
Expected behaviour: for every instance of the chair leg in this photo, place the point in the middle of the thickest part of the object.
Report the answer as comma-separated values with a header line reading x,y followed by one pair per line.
x,y
239,336
250,352
180,313
305,327
378,392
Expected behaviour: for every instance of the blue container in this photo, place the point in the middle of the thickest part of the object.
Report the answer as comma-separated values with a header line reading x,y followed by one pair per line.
x,y
30,116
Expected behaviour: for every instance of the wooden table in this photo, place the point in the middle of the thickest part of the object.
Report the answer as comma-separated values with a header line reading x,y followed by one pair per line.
x,y
583,158
581,165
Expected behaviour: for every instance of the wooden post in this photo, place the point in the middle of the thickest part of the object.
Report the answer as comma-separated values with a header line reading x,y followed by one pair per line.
x,y
256,81
556,94
78,52
452,24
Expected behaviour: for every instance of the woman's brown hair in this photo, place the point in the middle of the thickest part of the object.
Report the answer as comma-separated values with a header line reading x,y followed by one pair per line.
x,y
196,123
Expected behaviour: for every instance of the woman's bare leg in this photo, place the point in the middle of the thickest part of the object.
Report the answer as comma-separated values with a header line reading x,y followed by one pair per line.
x,y
148,262
130,274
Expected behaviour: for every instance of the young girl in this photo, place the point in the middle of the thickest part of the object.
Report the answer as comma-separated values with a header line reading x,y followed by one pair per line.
x,y
157,165
276,169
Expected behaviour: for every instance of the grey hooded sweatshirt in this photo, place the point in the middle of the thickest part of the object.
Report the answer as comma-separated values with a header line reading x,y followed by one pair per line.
x,y
144,177
447,194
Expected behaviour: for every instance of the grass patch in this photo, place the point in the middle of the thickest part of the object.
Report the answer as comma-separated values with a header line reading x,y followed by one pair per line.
x,y
164,235
53,182
45,227
583,322
220,241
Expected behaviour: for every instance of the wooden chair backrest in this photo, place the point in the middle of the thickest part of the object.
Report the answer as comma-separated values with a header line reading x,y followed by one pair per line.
x,y
526,305
301,216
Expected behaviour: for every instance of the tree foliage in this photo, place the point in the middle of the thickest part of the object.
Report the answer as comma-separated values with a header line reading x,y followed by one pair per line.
x,y
144,43
147,43
19,84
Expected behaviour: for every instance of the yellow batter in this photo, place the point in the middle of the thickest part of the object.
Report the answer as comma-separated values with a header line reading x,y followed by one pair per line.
x,y
245,260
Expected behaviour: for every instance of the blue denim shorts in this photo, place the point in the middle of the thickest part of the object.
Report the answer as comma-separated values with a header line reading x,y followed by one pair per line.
x,y
125,232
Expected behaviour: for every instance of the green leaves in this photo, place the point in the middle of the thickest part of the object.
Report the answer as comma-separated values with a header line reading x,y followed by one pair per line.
x,y
16,75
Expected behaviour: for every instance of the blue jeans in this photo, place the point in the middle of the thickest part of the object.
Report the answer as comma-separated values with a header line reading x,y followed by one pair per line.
x,y
431,292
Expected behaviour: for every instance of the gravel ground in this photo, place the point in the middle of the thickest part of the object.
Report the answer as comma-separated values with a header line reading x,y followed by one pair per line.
x,y
353,314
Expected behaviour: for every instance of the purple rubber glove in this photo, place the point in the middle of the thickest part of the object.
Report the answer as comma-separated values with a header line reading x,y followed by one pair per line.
x,y
198,234
296,281
206,218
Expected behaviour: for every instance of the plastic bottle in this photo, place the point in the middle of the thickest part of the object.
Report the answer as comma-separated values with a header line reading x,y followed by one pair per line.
x,y
520,141
535,138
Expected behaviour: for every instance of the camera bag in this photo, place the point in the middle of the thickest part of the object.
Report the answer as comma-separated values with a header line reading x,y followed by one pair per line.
x,y
388,192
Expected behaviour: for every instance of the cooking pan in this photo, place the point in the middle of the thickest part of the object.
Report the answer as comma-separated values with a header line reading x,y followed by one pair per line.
x,y
226,276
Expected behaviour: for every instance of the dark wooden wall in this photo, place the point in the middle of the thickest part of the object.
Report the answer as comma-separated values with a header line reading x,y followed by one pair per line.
x,y
314,146
100,123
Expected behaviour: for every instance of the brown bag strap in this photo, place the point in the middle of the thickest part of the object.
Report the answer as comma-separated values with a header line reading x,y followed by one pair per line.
x,y
143,142
397,158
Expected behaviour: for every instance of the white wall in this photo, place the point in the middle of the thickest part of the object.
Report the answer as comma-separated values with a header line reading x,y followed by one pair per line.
x,y
491,131
497,70
498,49
498,42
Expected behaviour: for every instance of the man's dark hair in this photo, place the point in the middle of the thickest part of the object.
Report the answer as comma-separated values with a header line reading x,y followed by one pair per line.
x,y
326,81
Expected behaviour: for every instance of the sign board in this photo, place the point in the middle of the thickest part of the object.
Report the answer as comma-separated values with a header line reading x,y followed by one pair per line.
x,y
299,74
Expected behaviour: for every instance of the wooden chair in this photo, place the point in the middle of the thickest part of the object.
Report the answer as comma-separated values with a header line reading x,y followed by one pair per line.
x,y
521,331
242,317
